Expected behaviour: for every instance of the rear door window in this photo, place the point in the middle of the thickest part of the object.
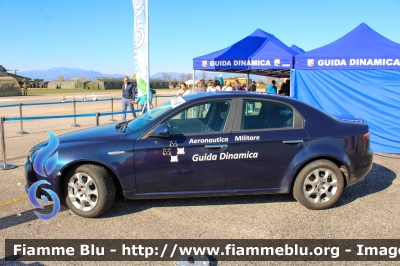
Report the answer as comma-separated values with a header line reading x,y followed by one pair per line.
x,y
259,114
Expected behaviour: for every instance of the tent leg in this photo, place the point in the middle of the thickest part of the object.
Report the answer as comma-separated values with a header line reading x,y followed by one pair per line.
x,y
194,75
247,81
291,78
148,57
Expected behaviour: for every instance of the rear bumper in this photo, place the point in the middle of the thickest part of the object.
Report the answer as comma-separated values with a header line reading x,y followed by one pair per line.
x,y
361,167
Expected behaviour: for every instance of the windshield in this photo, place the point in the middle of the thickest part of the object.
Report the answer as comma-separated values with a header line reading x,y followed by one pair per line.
x,y
148,117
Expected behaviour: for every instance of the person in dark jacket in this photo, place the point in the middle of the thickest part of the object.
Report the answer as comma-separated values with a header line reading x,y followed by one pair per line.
x,y
253,86
128,98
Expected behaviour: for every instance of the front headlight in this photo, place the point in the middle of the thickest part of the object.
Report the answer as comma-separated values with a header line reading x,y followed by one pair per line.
x,y
31,155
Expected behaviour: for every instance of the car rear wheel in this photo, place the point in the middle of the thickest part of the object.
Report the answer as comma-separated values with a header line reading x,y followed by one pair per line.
x,y
90,190
319,185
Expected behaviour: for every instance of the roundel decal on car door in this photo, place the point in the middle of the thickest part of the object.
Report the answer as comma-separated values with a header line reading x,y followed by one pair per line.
x,y
168,151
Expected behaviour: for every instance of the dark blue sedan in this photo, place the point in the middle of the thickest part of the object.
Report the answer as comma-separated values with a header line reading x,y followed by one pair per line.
x,y
211,144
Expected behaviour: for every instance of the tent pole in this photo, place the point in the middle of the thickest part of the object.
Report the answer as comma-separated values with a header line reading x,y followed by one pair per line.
x,y
247,81
194,75
148,56
291,88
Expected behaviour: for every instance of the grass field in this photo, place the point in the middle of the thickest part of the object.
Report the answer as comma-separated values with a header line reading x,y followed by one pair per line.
x,y
88,92
65,91
60,91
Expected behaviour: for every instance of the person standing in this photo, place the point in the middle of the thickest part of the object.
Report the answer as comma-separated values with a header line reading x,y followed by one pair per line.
x,y
216,85
286,91
221,80
199,110
183,91
253,86
272,88
25,86
237,86
143,101
228,86
283,88
128,98
201,87
252,105
210,86
213,86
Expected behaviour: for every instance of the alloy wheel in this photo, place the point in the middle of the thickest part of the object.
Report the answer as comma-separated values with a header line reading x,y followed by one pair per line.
x,y
83,192
320,186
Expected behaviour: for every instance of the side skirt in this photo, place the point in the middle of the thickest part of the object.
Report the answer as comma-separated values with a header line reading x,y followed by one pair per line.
x,y
132,195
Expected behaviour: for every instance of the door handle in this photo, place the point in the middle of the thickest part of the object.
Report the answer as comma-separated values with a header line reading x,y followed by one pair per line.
x,y
296,141
221,147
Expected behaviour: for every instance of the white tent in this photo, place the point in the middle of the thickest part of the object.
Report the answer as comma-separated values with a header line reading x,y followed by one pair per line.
x,y
190,81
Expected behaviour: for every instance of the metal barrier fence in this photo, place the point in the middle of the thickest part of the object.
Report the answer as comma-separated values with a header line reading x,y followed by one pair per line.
x,y
20,105
97,115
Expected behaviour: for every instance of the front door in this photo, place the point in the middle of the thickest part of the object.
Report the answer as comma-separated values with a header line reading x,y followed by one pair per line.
x,y
188,160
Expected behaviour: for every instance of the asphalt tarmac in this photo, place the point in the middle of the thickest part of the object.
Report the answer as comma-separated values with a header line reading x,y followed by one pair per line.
x,y
368,210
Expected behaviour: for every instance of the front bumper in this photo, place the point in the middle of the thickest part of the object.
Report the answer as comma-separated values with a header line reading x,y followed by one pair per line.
x,y
30,175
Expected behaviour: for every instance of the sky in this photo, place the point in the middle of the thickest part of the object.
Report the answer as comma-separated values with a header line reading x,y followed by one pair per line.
x,y
98,34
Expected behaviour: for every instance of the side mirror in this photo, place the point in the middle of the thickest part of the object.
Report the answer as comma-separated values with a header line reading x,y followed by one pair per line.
x,y
162,131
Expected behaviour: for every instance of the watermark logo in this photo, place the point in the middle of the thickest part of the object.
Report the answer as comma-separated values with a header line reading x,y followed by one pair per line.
x,y
45,160
35,202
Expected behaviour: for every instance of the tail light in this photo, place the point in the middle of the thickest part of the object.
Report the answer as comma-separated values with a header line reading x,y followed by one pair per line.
x,y
366,135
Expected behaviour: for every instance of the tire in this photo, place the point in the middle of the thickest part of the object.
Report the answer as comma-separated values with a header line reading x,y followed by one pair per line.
x,y
89,190
318,193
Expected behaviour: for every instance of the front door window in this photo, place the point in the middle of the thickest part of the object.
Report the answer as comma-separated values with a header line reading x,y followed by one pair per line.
x,y
201,118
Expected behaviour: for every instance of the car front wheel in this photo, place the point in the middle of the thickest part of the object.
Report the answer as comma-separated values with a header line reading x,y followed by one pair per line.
x,y
90,190
319,185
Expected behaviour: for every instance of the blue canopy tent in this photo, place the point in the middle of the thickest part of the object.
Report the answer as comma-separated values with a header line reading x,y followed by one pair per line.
x,y
297,49
358,75
260,53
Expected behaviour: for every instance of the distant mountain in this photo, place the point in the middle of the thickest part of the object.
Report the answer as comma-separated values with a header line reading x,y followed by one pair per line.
x,y
159,75
68,73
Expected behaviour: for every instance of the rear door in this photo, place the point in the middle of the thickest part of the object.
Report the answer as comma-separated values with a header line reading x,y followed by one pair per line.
x,y
268,138
188,160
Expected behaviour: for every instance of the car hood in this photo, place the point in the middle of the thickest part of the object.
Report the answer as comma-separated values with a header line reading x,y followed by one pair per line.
x,y
100,133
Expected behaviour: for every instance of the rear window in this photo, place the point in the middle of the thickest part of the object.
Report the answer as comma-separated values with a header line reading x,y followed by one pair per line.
x,y
259,114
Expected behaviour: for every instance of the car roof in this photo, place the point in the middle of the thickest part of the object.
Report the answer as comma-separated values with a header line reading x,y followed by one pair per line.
x,y
314,116
239,94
